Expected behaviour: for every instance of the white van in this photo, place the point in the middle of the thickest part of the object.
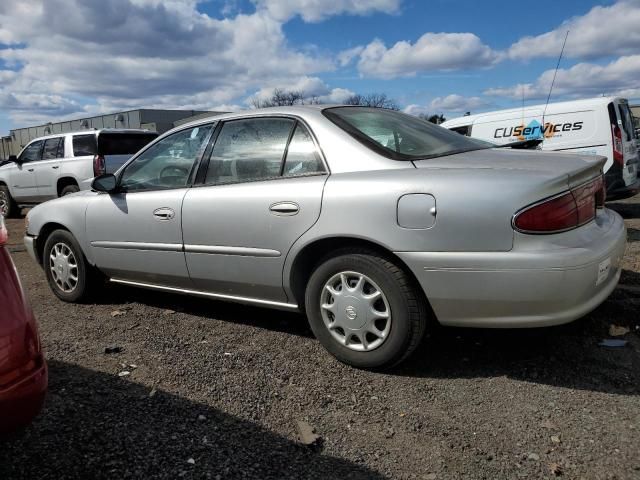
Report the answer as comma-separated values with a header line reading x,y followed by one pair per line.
x,y
596,126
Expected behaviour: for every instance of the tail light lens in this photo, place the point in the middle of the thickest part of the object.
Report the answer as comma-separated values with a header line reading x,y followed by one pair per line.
x,y
4,235
564,212
618,154
99,166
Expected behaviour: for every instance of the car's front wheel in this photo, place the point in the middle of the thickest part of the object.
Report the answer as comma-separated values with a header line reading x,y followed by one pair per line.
x,y
365,309
69,275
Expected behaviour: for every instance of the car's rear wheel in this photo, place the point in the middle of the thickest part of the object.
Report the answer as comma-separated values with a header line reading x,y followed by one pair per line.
x,y
69,275
69,189
8,206
365,310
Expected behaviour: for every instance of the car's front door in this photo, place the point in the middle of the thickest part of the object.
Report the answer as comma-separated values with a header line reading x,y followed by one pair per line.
x,y
262,191
135,234
24,187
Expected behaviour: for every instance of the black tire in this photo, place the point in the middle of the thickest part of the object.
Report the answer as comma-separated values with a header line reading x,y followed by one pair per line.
x,y
8,207
407,304
69,189
87,277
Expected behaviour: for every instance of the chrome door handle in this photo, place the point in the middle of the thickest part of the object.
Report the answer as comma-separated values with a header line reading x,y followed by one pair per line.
x,y
164,213
284,208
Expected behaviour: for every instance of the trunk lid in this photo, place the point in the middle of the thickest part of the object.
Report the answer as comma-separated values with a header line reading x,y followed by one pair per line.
x,y
574,169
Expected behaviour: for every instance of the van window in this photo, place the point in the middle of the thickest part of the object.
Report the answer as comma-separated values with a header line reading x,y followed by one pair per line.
x,y
466,130
84,145
111,143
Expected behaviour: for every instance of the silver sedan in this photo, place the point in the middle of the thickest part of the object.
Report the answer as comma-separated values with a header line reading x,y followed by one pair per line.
x,y
370,221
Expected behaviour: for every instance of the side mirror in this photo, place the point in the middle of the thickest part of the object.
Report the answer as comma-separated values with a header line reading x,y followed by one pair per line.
x,y
14,159
105,183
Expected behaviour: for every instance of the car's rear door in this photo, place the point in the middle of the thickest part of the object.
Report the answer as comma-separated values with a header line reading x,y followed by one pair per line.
x,y
262,190
136,234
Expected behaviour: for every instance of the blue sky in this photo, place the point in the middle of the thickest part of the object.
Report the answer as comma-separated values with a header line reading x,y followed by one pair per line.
x,y
63,59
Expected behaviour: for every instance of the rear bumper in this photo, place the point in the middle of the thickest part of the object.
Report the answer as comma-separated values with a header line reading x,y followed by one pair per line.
x,y
541,282
22,401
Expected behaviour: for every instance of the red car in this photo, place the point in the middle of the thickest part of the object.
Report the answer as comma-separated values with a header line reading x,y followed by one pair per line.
x,y
23,371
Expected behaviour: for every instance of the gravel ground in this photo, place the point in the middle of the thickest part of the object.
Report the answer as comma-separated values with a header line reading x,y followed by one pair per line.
x,y
217,390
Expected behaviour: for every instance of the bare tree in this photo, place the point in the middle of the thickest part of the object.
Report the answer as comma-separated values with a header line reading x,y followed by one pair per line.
x,y
437,119
280,98
376,100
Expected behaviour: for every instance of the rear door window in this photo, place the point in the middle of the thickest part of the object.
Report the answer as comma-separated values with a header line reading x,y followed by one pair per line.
x,y
111,143
249,150
33,152
84,145
302,157
52,148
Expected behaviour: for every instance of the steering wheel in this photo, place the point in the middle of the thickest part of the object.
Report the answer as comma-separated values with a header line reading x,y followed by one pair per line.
x,y
173,171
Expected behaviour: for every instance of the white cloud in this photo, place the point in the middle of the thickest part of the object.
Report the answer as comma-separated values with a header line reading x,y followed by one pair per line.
x,y
432,52
619,77
602,32
309,87
457,103
345,57
137,53
318,10
453,103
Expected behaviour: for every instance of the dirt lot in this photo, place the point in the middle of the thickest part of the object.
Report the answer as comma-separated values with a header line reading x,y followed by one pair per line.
x,y
216,391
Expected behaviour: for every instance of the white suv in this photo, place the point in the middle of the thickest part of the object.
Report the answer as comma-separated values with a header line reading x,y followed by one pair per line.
x,y
57,165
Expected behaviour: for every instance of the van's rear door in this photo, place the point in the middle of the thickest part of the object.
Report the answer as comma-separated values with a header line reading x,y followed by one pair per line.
x,y
118,147
625,141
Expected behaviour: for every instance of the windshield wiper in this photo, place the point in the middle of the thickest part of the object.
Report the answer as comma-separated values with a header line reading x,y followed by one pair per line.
x,y
522,145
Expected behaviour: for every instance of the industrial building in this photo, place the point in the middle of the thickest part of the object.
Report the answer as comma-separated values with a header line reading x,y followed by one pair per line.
x,y
150,119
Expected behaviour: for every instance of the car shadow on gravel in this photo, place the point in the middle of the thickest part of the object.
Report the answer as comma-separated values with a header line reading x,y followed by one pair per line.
x,y
627,210
96,425
566,356
277,320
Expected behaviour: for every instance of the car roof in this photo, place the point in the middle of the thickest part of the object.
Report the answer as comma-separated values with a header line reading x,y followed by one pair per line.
x,y
303,111
95,132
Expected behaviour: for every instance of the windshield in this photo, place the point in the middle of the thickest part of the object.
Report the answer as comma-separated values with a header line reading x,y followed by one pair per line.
x,y
400,136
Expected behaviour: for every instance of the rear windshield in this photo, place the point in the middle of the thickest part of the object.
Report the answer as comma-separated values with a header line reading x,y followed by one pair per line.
x,y
123,143
400,136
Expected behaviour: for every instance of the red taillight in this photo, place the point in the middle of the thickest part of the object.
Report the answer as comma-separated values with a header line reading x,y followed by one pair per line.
x,y
601,192
4,235
618,154
99,167
564,212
